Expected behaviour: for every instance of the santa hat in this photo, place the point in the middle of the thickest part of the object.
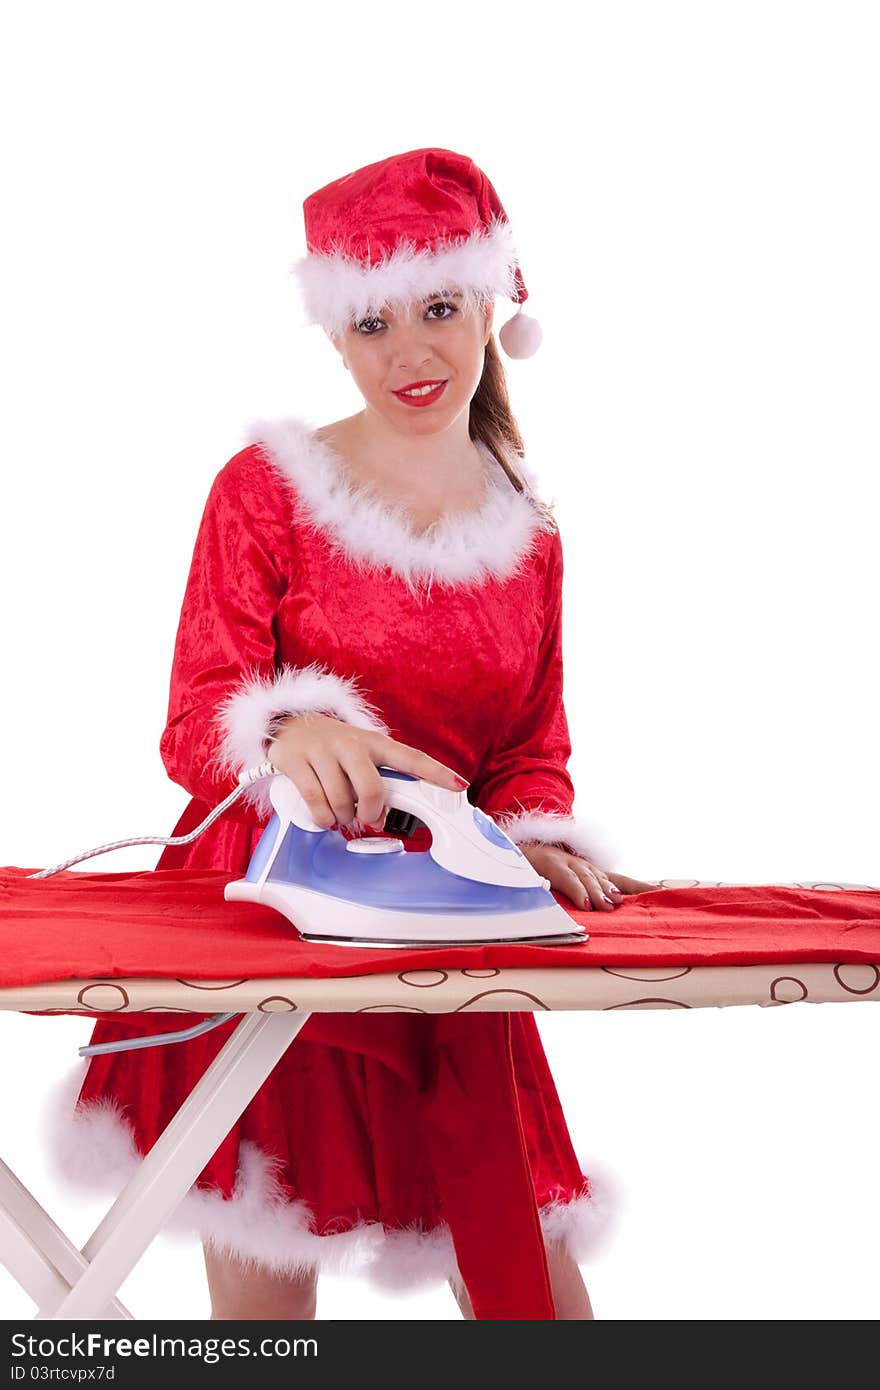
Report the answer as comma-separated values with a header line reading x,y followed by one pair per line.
x,y
405,228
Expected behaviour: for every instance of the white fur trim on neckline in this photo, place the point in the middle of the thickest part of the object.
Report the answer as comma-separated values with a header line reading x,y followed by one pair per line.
x,y
460,548
337,289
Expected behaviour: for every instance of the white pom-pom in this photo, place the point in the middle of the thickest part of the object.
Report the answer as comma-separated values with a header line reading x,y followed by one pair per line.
x,y
521,335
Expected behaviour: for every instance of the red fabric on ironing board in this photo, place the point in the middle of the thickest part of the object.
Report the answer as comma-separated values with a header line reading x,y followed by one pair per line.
x,y
170,922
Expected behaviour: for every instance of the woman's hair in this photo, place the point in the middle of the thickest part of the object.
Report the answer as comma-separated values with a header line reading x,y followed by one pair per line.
x,y
492,422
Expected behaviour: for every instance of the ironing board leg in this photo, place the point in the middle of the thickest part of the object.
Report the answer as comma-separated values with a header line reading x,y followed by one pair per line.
x,y
36,1252
175,1161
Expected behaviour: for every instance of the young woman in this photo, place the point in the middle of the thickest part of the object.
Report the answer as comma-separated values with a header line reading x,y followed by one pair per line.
x,y
385,590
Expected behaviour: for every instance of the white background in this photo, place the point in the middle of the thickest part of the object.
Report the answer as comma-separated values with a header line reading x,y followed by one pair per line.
x,y
693,190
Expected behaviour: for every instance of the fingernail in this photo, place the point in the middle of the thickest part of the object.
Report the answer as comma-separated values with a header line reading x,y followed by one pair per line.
x,y
460,780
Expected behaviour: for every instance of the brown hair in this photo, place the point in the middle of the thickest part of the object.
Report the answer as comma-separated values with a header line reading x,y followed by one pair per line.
x,y
492,422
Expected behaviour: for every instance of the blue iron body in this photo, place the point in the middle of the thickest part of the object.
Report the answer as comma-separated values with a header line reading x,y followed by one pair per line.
x,y
472,885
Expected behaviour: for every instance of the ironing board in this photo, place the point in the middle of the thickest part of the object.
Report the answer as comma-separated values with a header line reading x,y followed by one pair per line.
x,y
689,944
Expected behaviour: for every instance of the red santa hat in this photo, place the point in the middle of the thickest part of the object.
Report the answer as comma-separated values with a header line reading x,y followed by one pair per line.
x,y
405,228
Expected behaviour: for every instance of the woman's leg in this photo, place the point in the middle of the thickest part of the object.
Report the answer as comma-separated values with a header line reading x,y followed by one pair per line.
x,y
256,1292
570,1297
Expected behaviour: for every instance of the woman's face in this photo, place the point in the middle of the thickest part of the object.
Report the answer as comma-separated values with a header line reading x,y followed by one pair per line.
x,y
436,339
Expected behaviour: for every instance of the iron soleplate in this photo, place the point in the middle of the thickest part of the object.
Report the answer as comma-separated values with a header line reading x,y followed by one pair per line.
x,y
564,939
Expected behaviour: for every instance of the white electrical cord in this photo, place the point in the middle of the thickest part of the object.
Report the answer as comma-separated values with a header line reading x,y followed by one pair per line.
x,y
252,774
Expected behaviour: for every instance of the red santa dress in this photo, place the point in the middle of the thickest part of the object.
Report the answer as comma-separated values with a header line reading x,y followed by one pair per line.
x,y
308,593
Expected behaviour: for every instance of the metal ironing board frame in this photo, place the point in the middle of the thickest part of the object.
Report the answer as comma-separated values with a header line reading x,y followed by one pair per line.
x,y
67,1283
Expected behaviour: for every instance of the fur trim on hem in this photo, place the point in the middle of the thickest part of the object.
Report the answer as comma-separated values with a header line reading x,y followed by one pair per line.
x,y
92,1149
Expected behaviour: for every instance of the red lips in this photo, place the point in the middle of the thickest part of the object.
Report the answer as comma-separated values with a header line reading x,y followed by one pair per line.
x,y
427,399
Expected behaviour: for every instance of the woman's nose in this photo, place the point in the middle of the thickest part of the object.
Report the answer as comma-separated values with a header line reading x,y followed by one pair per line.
x,y
412,344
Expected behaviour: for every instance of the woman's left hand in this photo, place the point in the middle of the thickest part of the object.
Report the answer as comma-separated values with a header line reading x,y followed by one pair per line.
x,y
583,882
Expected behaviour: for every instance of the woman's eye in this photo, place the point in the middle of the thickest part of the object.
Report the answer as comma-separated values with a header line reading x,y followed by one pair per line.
x,y
364,325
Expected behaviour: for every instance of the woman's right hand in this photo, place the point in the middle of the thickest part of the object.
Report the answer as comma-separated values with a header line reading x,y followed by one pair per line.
x,y
334,767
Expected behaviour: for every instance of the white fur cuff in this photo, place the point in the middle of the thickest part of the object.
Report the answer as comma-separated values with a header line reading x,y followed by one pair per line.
x,y
553,828
246,717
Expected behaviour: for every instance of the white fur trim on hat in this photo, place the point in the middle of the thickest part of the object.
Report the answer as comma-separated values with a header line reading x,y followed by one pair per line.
x,y
337,289
247,714
91,1149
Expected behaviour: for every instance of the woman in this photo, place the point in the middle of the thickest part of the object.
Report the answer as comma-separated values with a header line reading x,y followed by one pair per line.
x,y
385,590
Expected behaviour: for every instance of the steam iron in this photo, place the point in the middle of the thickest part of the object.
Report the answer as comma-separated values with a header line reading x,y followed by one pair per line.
x,y
472,886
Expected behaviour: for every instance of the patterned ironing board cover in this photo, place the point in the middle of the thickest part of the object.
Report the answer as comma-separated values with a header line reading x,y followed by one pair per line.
x,y
447,991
